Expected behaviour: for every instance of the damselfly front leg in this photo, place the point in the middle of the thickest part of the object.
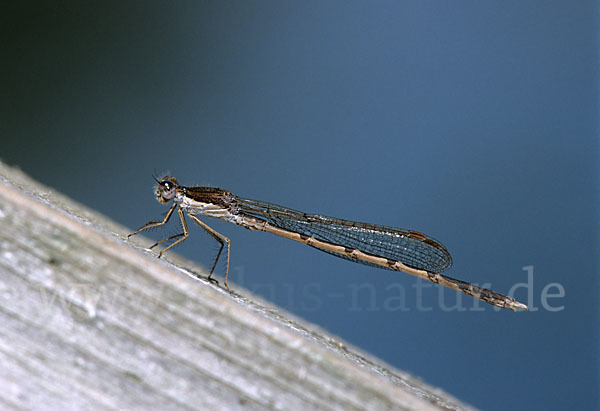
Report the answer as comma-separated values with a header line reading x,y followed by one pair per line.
x,y
151,224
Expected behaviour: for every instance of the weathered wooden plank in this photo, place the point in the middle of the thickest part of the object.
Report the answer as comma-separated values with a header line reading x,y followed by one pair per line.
x,y
90,321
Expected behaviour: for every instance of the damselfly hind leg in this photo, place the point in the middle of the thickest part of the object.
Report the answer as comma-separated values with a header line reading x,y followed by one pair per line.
x,y
222,240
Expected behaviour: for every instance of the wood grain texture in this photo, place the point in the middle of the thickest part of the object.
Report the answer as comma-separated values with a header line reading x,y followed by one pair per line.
x,y
91,321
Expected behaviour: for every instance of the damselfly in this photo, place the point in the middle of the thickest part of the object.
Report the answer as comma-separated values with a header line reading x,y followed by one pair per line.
x,y
384,247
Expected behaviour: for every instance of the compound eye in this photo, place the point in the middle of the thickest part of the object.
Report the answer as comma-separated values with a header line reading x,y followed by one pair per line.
x,y
166,190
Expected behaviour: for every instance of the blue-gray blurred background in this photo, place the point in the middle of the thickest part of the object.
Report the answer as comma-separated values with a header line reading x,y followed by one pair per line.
x,y
473,121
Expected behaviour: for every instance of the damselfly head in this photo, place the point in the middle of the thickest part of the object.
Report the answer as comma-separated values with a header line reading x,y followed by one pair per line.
x,y
165,189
